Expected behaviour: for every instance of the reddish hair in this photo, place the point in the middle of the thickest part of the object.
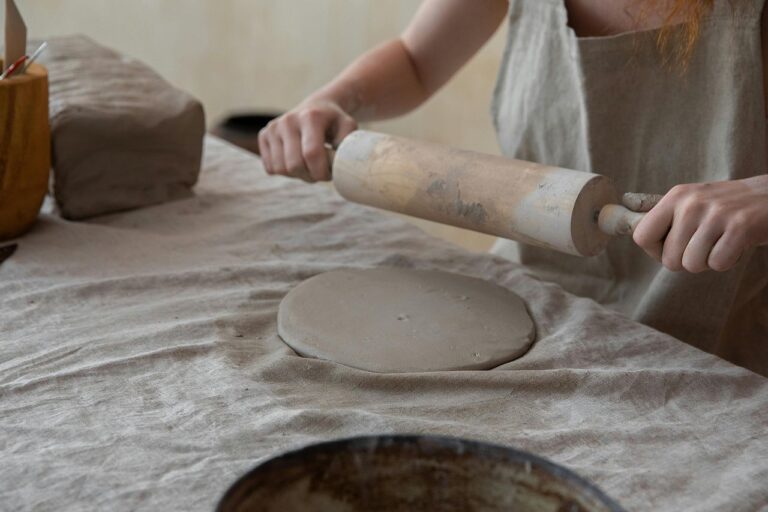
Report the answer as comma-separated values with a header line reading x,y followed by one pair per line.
x,y
681,43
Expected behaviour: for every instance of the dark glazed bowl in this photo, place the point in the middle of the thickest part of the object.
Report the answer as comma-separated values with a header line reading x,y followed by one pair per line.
x,y
405,473
242,129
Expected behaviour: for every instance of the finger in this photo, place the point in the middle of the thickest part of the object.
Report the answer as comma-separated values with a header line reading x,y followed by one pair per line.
x,y
344,127
683,228
696,255
726,253
294,160
266,158
652,230
277,154
314,152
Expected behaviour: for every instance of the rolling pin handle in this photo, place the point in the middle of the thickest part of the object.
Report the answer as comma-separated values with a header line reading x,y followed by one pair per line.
x,y
330,151
616,220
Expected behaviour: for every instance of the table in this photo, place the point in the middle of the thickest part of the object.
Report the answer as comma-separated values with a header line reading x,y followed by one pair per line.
x,y
140,368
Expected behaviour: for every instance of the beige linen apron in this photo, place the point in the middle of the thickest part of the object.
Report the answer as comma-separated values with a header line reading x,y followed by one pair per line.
x,y
612,105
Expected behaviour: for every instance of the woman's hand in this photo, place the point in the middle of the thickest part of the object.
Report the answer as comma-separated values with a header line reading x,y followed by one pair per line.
x,y
704,226
294,143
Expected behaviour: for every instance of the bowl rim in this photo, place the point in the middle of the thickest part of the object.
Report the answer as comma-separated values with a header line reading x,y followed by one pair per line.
x,y
449,442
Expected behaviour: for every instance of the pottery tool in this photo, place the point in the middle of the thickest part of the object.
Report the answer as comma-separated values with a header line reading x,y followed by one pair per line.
x,y
13,68
34,57
15,34
561,209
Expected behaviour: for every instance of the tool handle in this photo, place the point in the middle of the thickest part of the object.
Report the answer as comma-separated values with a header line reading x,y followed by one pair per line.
x,y
617,220
621,220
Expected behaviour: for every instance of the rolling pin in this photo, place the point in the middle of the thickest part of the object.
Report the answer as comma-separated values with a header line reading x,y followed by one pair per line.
x,y
561,209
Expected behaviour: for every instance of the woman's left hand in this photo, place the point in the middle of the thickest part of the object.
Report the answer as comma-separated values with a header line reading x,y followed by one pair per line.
x,y
705,226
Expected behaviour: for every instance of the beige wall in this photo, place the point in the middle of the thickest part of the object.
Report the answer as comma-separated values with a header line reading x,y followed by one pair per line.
x,y
268,54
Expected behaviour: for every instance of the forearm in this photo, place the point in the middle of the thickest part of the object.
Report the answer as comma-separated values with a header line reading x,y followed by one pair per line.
x,y
381,84
401,74
390,80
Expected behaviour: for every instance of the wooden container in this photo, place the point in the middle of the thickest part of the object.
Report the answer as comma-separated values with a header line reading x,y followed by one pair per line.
x,y
25,150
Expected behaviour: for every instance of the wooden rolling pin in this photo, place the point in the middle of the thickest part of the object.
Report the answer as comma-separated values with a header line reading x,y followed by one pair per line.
x,y
561,209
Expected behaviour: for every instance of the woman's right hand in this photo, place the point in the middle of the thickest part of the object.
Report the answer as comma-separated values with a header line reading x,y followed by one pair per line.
x,y
294,143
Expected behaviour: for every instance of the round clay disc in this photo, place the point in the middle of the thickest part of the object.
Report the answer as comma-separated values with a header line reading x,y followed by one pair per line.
x,y
401,320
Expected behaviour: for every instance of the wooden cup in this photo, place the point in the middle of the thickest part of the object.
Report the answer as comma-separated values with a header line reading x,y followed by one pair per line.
x,y
25,149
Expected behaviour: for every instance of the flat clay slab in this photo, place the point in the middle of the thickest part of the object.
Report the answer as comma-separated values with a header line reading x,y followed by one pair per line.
x,y
391,320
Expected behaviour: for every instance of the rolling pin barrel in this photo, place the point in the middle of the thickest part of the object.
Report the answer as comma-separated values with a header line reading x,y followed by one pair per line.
x,y
536,204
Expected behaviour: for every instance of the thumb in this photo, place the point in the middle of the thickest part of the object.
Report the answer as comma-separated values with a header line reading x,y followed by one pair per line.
x,y
343,127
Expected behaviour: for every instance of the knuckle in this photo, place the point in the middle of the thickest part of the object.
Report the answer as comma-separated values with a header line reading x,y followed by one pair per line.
x,y
641,239
292,169
311,114
677,191
671,263
313,151
344,128
694,268
686,211
278,167
319,174
718,264
718,210
696,191
739,222
294,166
683,191
693,201
738,233
288,121
725,258
350,123
653,254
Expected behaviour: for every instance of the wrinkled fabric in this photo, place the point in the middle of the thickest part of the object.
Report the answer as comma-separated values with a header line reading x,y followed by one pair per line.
x,y
140,367
615,106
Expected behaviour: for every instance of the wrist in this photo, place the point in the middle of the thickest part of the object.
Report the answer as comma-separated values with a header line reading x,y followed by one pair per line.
x,y
345,99
758,184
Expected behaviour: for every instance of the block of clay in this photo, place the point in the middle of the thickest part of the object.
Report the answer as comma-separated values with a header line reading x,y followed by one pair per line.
x,y
122,137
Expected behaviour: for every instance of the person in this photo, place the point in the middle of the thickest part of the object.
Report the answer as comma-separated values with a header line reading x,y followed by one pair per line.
x,y
663,96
